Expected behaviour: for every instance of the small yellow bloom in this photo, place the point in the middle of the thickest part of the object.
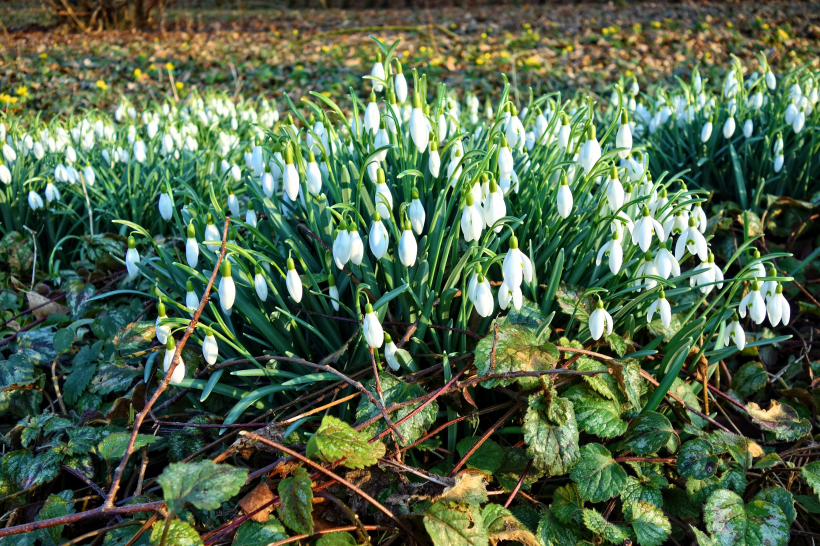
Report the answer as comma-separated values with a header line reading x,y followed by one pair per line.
x,y
405,53
729,24
629,73
765,26
152,66
179,85
44,56
325,49
483,35
296,32
169,66
102,85
22,91
137,73
782,34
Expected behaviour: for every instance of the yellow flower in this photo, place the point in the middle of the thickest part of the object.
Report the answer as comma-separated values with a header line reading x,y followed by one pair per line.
x,y
137,73
655,24
179,85
152,66
405,53
765,26
22,91
628,73
169,66
325,49
5,98
296,32
483,35
102,85
729,24
44,56
782,34
479,61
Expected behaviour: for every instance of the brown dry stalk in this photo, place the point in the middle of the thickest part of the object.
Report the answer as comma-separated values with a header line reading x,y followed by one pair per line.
x,y
484,437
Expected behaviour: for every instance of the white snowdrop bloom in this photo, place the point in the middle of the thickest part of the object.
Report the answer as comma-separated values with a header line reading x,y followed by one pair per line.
x,y
419,127
210,348
260,284
70,155
623,139
381,141
233,202
564,198
258,160
333,292
162,331
710,275
590,152
372,328
778,163
514,131
613,250
52,193
730,85
383,198
777,307
313,175
191,299
494,207
472,220
790,113
408,248
692,240
235,172
799,121
441,128
729,127
771,81
415,212
38,150
400,84
179,371
212,234
507,293
757,269
290,176
748,128
293,282
139,151
756,101
434,159
635,169
454,170
753,301
191,246
706,131
700,218
516,266
379,239
646,269
661,306
541,126
377,72
227,287
132,258
599,321
564,132
166,204
644,228
622,223
341,246
675,224
505,158
371,115
250,215
390,353
734,333
267,182
5,174
356,245
768,288
481,295
665,263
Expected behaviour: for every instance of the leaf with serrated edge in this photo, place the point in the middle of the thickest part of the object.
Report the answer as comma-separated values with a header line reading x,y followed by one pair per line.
x,y
552,532
650,525
596,523
336,440
781,419
781,498
204,484
758,523
811,473
553,448
516,349
597,474
647,434
567,503
455,524
180,533
596,415
296,495
695,460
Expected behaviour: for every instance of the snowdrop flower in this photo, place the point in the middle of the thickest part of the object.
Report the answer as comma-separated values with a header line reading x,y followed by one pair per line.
x,y
139,151
778,308
635,168
390,353
494,207
383,198
481,294
700,218
599,320
8,153
505,158
693,241
52,193
515,129
379,238
179,371
377,72
227,287
293,282
166,203
191,246
675,224
434,160
665,263
507,293
799,121
419,129
88,175
790,114
415,212
771,81
5,174
708,277
472,220
191,299
564,132
660,305
623,139
768,288
163,331
735,333
250,215
516,266
706,131
590,152
210,348
646,269
259,283
729,127
258,160
132,258
778,162
753,301
290,176
400,84
372,328
212,234
454,169
356,245
612,249
748,128
341,246
233,202
644,228
408,248
267,182
564,198
371,115
313,175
